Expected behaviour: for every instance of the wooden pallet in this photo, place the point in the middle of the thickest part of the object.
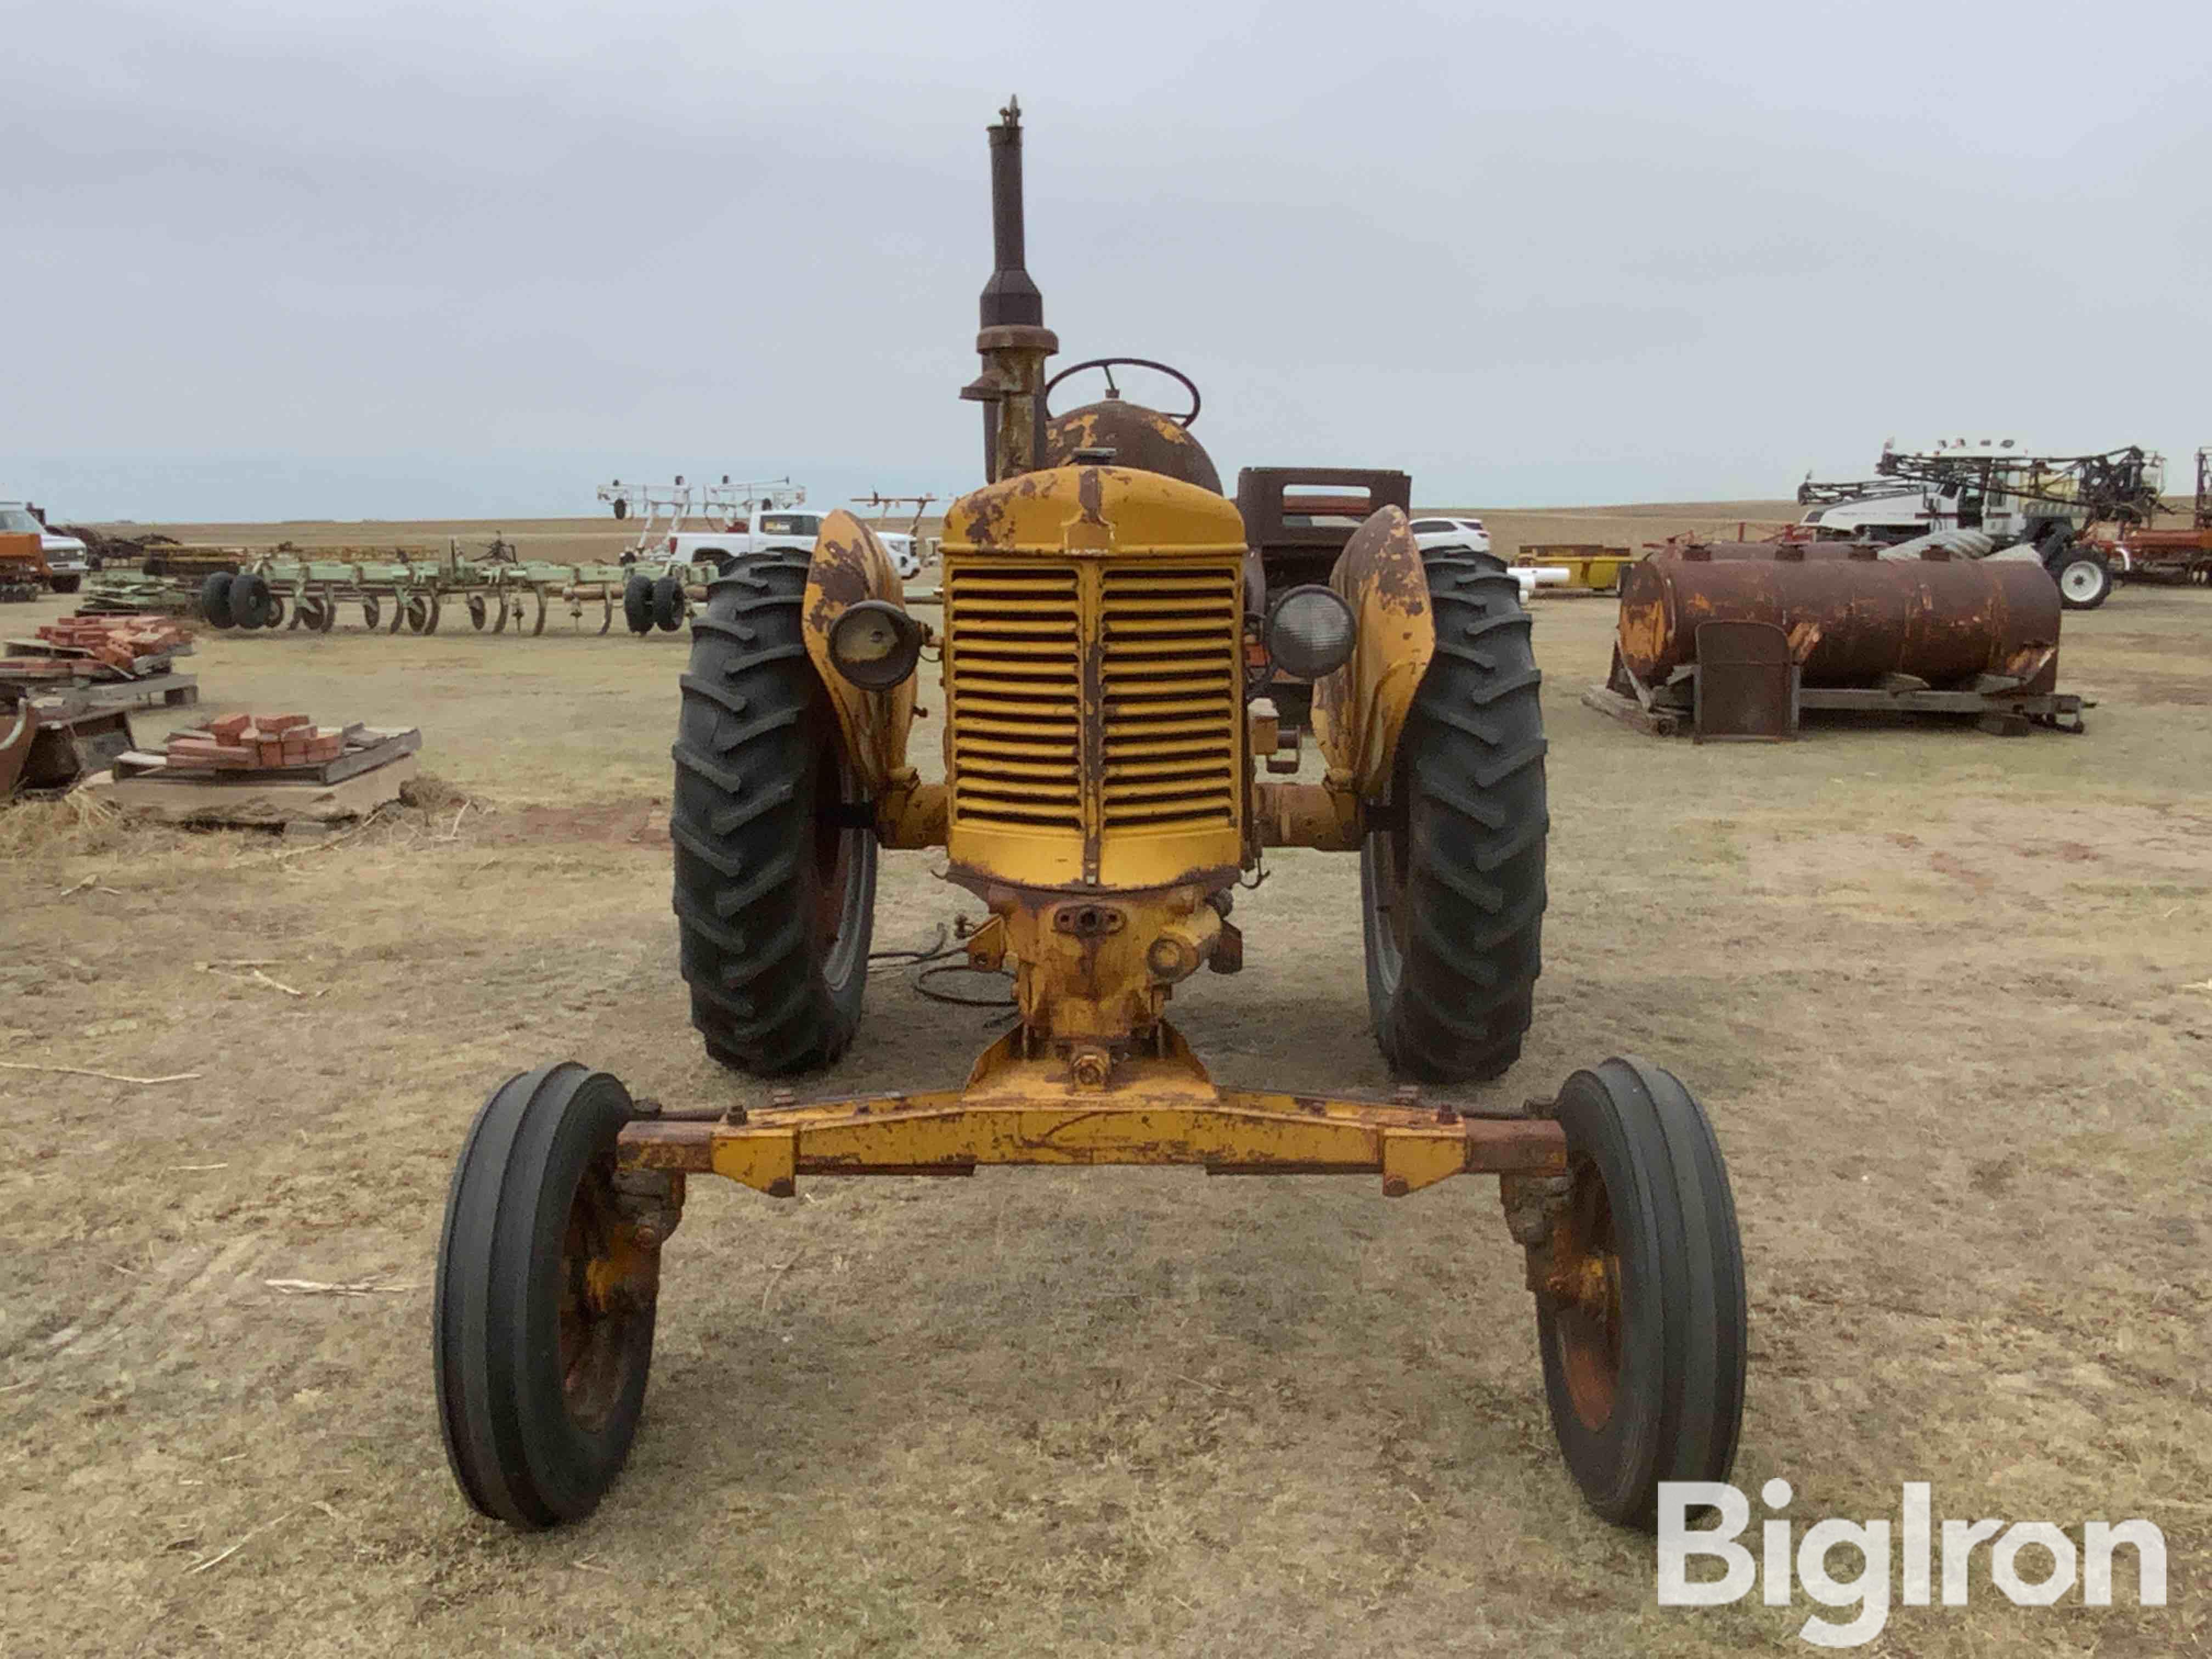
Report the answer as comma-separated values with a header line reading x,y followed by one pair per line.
x,y
367,748
271,805
162,691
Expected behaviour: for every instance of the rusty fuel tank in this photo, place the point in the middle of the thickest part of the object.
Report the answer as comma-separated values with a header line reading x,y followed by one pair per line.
x,y
1851,622
1138,436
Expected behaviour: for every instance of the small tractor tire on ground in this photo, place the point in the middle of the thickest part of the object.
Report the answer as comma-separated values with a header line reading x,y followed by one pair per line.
x,y
1452,884
668,605
2085,580
369,613
479,612
274,616
544,1303
637,603
1641,1315
775,898
214,599
250,599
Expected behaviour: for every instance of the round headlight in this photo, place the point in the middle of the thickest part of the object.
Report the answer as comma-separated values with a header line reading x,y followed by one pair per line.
x,y
875,644
1309,633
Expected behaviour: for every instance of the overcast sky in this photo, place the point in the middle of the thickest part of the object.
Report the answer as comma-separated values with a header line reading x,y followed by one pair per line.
x,y
352,260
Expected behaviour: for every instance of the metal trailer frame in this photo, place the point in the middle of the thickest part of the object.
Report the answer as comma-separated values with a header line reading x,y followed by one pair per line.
x,y
2000,705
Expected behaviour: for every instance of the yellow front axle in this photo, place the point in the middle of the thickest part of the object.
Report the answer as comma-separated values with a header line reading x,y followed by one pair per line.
x,y
1158,1109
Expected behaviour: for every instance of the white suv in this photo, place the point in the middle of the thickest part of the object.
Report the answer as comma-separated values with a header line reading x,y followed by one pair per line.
x,y
1450,533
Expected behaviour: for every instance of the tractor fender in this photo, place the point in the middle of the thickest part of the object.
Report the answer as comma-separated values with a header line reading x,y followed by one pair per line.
x,y
850,565
1360,709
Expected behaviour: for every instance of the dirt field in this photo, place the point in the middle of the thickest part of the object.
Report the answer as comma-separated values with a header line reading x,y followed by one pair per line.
x,y
1948,997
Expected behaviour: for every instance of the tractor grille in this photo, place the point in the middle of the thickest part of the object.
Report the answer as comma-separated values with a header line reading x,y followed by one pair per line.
x,y
1013,666
1169,675
1150,648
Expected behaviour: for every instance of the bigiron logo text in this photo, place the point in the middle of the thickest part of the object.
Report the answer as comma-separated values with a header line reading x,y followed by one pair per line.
x,y
2034,1564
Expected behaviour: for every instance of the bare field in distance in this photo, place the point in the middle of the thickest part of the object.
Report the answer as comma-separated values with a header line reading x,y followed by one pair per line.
x,y
1944,995
604,536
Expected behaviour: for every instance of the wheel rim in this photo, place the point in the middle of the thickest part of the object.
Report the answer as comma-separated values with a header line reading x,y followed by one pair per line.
x,y
840,888
1390,856
2081,580
1585,1286
606,1281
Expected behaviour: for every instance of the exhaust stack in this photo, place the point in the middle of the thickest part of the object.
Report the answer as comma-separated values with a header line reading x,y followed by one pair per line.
x,y
1013,341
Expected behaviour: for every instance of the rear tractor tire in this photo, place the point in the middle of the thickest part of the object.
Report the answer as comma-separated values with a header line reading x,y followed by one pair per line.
x,y
546,1299
1641,1314
1452,881
775,897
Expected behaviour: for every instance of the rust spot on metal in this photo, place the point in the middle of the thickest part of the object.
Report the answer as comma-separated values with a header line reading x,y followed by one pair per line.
x,y
1089,497
840,576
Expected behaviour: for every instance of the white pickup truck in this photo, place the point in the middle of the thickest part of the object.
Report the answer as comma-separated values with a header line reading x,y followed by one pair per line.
x,y
794,528
67,561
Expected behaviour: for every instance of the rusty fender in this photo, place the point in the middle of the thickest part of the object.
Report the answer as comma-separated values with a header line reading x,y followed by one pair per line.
x,y
1360,709
849,565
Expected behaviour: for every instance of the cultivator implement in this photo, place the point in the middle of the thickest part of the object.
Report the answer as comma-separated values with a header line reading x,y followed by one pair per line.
x,y
419,597
1103,736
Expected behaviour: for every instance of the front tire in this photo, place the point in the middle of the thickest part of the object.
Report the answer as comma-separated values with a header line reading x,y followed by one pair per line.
x,y
774,900
544,1303
1641,1311
66,584
1452,885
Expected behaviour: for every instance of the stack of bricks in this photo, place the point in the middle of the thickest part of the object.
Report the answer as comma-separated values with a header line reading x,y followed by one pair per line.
x,y
259,742
119,642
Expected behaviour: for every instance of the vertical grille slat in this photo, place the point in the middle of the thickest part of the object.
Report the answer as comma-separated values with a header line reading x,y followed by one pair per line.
x,y
1172,680
1013,674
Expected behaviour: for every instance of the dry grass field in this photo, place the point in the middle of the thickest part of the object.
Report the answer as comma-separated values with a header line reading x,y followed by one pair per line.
x,y
1948,997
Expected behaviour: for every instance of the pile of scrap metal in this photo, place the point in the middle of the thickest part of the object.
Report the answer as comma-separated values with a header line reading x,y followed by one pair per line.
x,y
2142,551
49,743
1737,645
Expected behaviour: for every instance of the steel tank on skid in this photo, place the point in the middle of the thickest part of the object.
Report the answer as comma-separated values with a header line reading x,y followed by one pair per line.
x,y
1854,621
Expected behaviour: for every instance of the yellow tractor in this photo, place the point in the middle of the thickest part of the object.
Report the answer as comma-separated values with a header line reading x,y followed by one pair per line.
x,y
1103,737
